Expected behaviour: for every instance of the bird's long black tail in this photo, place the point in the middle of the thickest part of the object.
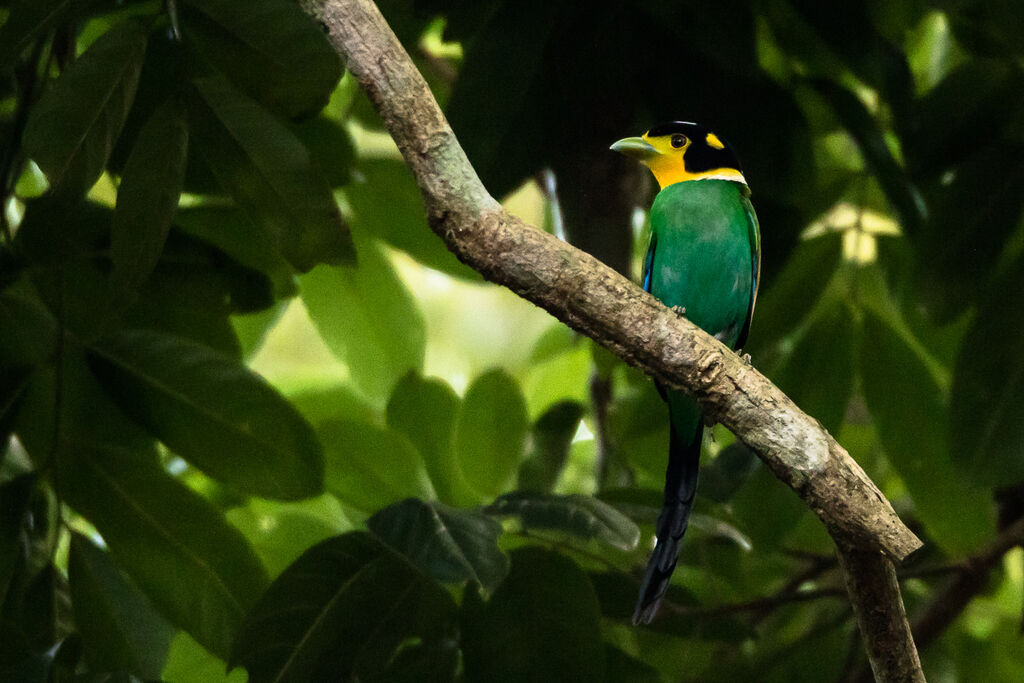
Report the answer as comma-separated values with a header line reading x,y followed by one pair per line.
x,y
680,487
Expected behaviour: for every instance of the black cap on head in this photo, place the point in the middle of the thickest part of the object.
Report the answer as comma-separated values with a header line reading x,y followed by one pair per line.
x,y
706,152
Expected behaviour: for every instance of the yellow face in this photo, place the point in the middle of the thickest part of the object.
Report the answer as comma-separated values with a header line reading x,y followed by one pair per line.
x,y
669,164
681,151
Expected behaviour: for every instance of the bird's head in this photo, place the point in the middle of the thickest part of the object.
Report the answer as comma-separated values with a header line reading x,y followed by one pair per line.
x,y
679,151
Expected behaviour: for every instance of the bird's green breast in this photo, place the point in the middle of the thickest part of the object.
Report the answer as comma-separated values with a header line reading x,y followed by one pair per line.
x,y
703,253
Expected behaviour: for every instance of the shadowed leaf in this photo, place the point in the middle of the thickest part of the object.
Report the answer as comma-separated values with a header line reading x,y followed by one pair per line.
x,y
120,630
73,127
542,624
212,411
446,543
576,515
148,197
261,163
197,570
340,611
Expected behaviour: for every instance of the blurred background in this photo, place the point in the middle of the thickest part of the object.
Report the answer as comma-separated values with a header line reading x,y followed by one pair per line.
x,y
884,146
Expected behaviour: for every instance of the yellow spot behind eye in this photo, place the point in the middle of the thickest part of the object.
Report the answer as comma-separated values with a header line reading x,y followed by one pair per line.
x,y
713,141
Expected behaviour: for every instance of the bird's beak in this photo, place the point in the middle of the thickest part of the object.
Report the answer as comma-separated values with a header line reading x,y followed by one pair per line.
x,y
637,148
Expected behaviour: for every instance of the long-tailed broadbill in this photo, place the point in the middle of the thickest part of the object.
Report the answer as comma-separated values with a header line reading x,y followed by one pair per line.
x,y
704,260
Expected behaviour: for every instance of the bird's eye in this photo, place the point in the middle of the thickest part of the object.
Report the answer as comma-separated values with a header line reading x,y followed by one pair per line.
x,y
678,141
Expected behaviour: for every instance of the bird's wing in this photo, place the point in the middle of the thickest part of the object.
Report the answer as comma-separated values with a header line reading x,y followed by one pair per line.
x,y
649,263
754,235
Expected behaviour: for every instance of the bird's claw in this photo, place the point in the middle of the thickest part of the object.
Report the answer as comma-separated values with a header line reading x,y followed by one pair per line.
x,y
746,358
679,310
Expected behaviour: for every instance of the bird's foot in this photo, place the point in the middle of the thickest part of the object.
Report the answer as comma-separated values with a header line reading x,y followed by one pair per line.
x,y
679,310
744,356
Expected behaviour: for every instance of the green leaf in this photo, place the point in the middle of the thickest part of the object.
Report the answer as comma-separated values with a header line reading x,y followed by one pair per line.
x,y
15,496
148,197
542,624
448,544
369,467
28,331
334,402
261,163
212,411
490,433
986,434
424,409
87,412
196,569
189,662
28,19
339,612
270,48
483,115
623,668
279,533
368,319
120,630
552,437
233,232
387,204
795,291
975,215
989,27
818,373
73,127
721,478
577,515
901,192
330,147
909,410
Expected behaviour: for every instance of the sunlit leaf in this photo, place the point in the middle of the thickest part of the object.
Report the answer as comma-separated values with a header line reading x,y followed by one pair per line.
x,y
213,412
340,611
74,126
577,515
387,204
490,433
424,409
368,319
370,467
446,543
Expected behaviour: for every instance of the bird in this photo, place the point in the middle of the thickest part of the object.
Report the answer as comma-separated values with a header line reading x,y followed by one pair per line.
x,y
704,261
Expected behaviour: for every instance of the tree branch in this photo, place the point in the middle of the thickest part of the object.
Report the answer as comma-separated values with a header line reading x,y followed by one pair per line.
x,y
875,595
947,605
598,302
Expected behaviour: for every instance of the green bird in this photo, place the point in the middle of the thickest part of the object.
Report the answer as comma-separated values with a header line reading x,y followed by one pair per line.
x,y
704,258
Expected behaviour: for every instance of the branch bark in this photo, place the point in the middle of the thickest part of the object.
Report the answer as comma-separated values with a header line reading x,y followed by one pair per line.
x,y
598,302
875,596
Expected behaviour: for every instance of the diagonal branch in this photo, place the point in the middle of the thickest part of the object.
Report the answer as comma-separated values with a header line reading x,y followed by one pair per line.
x,y
598,302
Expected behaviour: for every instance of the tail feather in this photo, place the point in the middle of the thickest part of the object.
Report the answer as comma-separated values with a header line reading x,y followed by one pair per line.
x,y
680,488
